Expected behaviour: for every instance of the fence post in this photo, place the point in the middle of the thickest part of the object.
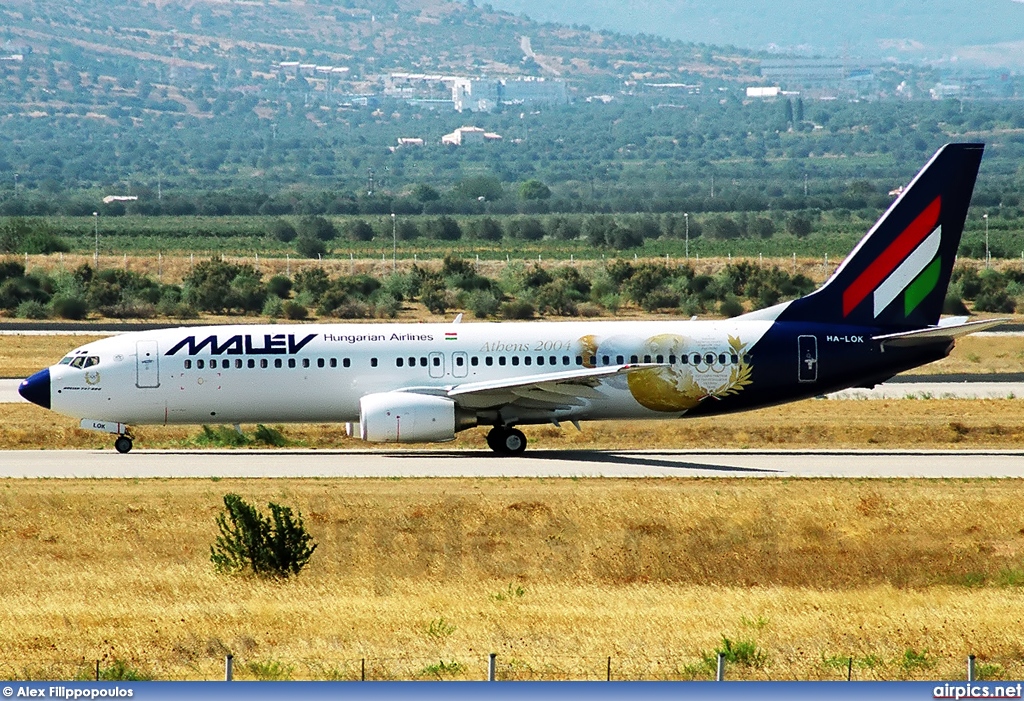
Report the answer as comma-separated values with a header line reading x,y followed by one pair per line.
x,y
229,667
720,676
362,670
609,669
97,670
849,669
490,667
970,668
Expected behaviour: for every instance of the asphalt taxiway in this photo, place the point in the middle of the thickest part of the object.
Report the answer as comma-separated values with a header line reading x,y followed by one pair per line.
x,y
100,464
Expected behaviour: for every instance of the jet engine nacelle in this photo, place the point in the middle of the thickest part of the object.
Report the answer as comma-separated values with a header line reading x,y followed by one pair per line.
x,y
406,417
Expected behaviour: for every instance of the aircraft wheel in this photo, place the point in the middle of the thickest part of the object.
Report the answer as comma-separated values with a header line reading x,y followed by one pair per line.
x,y
495,438
123,444
514,442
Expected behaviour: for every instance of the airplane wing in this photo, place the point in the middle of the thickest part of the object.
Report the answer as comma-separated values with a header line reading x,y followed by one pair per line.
x,y
948,332
548,391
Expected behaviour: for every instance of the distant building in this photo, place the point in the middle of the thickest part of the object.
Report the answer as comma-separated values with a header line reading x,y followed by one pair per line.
x,y
410,141
469,135
473,95
762,92
822,74
533,91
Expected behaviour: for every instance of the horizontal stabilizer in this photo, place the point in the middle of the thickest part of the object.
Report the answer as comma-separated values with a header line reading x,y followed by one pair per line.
x,y
933,334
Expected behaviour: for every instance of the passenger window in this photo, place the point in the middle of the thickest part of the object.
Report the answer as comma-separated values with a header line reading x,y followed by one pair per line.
x,y
333,363
606,360
565,360
515,360
634,359
263,363
734,359
593,360
501,360
200,364
373,362
527,361
252,362
554,361
436,361
660,359
746,358
540,360
291,362
709,358
474,361
721,358
459,361
400,362
423,362
672,359
412,362
619,360
346,362
188,364
319,362
277,362
579,360
696,358
305,362
488,361
647,359
238,362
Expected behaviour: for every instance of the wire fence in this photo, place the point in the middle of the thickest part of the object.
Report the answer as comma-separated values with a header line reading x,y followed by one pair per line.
x,y
472,666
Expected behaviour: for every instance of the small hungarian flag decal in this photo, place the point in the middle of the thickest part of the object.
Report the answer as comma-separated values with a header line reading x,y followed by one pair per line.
x,y
451,336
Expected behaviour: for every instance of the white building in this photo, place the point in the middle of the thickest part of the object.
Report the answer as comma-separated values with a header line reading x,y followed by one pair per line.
x,y
469,135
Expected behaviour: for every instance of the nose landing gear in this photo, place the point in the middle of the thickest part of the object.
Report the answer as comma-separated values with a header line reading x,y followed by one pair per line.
x,y
123,444
506,440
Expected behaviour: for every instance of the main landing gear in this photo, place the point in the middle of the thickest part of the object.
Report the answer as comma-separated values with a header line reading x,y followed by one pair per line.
x,y
506,440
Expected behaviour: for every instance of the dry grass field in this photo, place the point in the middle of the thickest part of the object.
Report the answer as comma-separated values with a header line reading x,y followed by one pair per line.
x,y
423,578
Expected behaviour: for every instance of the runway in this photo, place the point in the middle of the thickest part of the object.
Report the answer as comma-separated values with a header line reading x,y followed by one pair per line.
x,y
540,463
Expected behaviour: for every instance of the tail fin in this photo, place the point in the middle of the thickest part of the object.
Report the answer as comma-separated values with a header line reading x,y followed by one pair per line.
x,y
898,274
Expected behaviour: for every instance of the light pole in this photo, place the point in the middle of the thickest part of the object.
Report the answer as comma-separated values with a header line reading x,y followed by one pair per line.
x,y
96,231
15,184
394,243
987,257
686,218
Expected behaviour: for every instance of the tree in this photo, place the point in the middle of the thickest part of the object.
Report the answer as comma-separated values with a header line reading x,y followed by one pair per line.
x,y
359,230
276,547
281,230
534,190
318,228
309,247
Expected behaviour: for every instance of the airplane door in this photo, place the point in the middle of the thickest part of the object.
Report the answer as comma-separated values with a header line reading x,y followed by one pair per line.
x,y
807,350
436,364
147,365
460,364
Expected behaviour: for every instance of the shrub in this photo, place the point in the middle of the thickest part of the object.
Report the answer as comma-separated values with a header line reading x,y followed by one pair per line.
x,y
31,309
278,546
730,306
279,285
517,310
281,230
309,247
294,311
73,308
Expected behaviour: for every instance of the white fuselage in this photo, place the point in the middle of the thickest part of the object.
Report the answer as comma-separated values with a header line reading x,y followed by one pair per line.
x,y
311,373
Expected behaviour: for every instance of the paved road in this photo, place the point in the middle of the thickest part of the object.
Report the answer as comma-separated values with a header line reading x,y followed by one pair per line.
x,y
540,463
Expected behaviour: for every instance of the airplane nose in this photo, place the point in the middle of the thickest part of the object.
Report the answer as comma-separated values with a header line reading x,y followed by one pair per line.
x,y
36,388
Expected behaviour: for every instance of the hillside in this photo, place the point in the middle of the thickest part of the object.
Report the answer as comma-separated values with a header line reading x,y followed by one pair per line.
x,y
987,32
222,42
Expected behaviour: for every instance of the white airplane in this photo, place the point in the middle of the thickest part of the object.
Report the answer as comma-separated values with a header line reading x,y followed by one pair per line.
x,y
878,315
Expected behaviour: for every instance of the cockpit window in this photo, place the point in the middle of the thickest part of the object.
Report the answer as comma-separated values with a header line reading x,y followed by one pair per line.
x,y
65,361
92,360
84,361
78,362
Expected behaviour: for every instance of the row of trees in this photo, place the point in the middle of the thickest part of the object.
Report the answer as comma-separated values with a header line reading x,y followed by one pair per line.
x,y
521,292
